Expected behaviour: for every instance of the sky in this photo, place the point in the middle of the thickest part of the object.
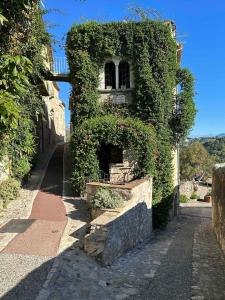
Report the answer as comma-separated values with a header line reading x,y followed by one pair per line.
x,y
200,27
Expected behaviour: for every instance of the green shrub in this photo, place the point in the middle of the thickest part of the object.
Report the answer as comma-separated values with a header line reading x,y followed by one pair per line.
x,y
126,132
106,198
209,193
183,199
194,196
21,168
9,190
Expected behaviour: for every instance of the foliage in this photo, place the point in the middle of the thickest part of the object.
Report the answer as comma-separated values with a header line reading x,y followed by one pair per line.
x,y
9,111
9,190
22,40
21,157
214,145
151,50
2,20
130,133
195,162
106,198
14,73
209,193
184,115
195,196
183,199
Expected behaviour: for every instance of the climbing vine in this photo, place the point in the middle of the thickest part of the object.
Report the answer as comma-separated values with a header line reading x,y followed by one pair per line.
x,y
110,129
22,39
152,51
183,118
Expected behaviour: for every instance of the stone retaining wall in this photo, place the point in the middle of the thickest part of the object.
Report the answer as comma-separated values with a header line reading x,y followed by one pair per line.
x,y
218,200
186,188
115,232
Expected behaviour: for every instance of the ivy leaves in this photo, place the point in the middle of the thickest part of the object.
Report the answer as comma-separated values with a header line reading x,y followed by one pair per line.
x,y
127,132
185,111
9,111
22,36
14,73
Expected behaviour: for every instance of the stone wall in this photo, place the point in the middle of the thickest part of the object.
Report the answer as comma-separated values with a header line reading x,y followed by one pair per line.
x,y
114,232
218,200
186,188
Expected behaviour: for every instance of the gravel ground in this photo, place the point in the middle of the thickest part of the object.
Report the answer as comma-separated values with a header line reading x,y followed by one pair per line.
x,y
22,276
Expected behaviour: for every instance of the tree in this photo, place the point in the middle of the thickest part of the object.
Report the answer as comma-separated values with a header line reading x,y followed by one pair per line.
x,y
195,161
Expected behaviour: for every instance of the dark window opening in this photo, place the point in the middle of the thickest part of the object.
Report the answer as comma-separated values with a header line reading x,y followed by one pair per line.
x,y
124,75
110,75
109,154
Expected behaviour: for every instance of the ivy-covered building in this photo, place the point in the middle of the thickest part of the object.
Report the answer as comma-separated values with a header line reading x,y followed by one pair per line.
x,y
126,114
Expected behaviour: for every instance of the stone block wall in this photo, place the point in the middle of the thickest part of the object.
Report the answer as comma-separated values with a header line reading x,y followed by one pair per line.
x,y
113,233
186,188
218,201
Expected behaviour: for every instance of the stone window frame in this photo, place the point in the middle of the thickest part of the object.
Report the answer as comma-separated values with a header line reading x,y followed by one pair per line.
x,y
116,61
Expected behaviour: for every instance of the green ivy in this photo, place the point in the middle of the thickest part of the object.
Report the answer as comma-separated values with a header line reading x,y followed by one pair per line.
x,y
152,51
183,118
22,41
127,132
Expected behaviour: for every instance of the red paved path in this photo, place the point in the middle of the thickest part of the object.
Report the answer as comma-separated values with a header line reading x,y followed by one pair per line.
x,y
43,236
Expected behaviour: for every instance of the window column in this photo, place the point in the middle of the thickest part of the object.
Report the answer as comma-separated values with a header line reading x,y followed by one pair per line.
x,y
117,75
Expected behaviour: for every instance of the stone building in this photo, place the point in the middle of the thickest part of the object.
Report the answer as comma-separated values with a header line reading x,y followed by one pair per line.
x,y
116,87
51,126
130,73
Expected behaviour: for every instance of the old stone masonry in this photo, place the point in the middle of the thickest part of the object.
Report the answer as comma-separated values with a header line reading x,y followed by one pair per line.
x,y
182,262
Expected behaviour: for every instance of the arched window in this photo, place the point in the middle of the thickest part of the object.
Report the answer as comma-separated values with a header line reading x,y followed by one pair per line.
x,y
124,75
110,75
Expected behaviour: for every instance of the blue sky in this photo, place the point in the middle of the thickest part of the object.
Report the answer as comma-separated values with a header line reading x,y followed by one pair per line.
x,y
200,26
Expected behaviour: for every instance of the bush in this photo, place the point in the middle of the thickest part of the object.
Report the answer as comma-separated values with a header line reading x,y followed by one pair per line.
x,y
106,198
9,190
183,199
126,132
209,193
194,196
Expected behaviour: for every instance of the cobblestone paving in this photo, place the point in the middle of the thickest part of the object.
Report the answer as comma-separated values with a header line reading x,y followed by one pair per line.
x,y
81,277
194,267
208,277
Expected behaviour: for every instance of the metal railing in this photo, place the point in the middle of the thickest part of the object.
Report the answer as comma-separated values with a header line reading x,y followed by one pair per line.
x,y
59,65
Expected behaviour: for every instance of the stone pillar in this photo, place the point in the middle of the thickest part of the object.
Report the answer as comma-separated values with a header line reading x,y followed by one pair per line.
x,y
117,75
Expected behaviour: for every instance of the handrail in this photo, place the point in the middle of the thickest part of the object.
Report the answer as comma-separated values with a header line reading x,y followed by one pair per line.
x,y
59,65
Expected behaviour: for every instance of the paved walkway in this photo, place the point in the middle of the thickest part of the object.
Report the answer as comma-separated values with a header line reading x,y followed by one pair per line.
x,y
38,238
183,262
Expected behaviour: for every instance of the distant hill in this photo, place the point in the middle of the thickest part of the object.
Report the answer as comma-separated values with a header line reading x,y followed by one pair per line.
x,y
221,135
214,145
